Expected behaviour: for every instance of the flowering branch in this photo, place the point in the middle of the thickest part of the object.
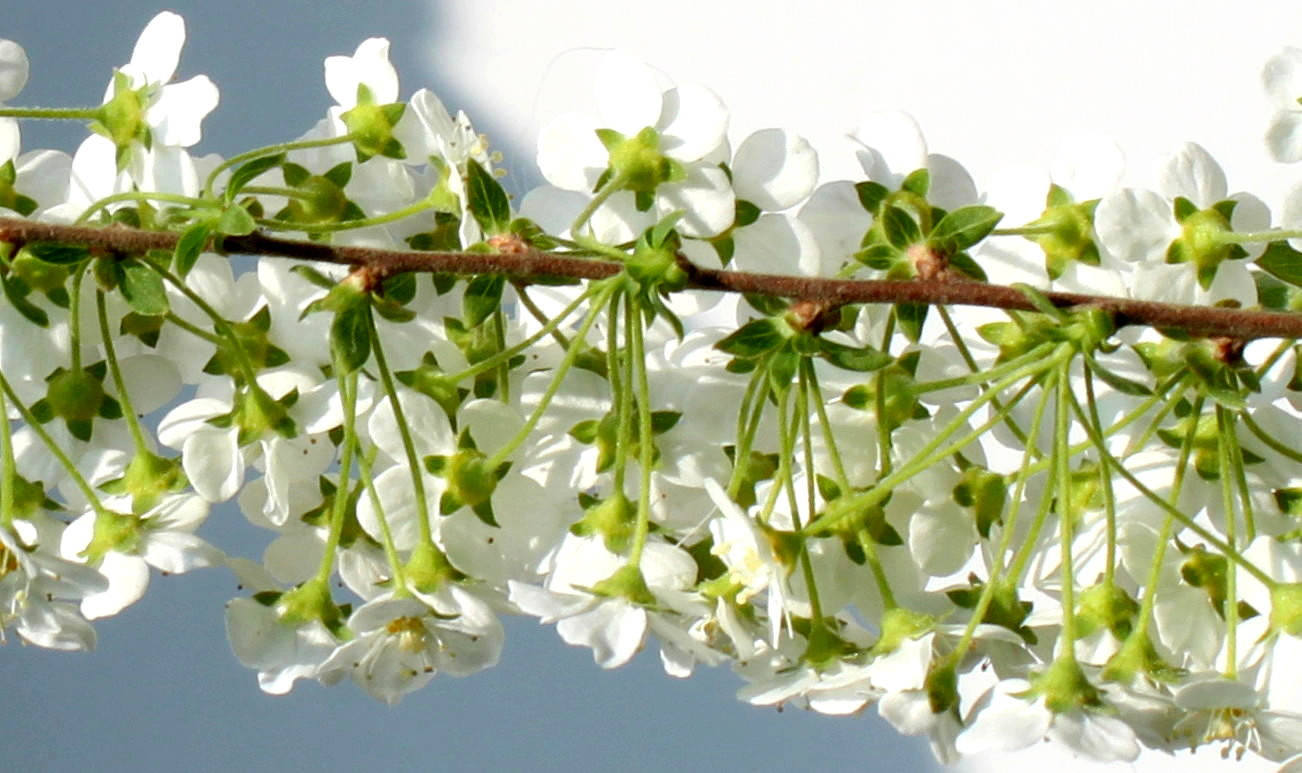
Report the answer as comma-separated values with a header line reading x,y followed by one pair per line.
x,y
529,264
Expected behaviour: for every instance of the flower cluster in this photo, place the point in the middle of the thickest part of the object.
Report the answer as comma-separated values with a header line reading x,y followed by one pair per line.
x,y
996,526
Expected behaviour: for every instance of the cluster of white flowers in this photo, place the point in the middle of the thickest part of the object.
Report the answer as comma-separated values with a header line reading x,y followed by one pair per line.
x,y
997,527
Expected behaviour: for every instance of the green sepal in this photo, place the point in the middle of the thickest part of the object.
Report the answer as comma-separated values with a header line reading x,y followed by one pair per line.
x,y
918,182
614,519
899,228
350,337
985,493
871,195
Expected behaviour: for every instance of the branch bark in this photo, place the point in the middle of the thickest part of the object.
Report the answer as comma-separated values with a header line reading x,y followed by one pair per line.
x,y
1237,324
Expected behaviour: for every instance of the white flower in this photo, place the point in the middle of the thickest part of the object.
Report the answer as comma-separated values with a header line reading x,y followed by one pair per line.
x,y
282,651
750,561
173,111
401,643
13,76
1282,78
1007,721
162,538
1233,713
774,169
891,147
36,587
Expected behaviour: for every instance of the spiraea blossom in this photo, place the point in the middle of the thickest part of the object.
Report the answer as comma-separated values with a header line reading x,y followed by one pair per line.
x,y
1032,520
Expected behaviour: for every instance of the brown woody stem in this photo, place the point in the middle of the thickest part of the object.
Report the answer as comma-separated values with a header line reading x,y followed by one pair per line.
x,y
525,265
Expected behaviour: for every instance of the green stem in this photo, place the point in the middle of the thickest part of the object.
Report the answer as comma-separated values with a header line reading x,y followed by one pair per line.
x,y
1066,531
966,354
749,414
404,431
51,113
110,353
219,322
603,297
364,462
8,467
1266,438
646,442
1231,609
505,355
92,499
1109,496
171,198
269,150
613,185
929,454
1225,548
619,372
348,391
1230,237
74,317
344,225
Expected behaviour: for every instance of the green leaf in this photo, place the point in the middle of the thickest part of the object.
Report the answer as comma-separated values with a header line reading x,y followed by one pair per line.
x,y
350,337
487,200
963,228
142,288
190,246
236,221
483,296
33,313
58,254
860,359
912,316
753,339
245,173
1283,262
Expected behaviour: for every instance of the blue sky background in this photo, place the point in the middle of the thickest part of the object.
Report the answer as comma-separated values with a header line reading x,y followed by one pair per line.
x,y
163,691
991,82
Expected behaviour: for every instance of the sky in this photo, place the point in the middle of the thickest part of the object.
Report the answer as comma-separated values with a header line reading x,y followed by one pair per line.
x,y
990,82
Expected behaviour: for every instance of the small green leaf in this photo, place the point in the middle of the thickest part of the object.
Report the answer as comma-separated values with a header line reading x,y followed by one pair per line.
x,y
235,220
483,296
58,254
350,337
1283,262
753,339
487,200
190,246
861,359
245,173
33,313
142,288
963,228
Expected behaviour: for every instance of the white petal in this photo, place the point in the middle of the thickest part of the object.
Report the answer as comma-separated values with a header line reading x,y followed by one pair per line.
x,y
128,578
13,69
1194,174
176,552
693,124
570,155
214,463
179,110
613,629
158,49
1135,225
893,147
776,244
1284,137
1088,165
628,95
1282,77
369,65
774,169
705,197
